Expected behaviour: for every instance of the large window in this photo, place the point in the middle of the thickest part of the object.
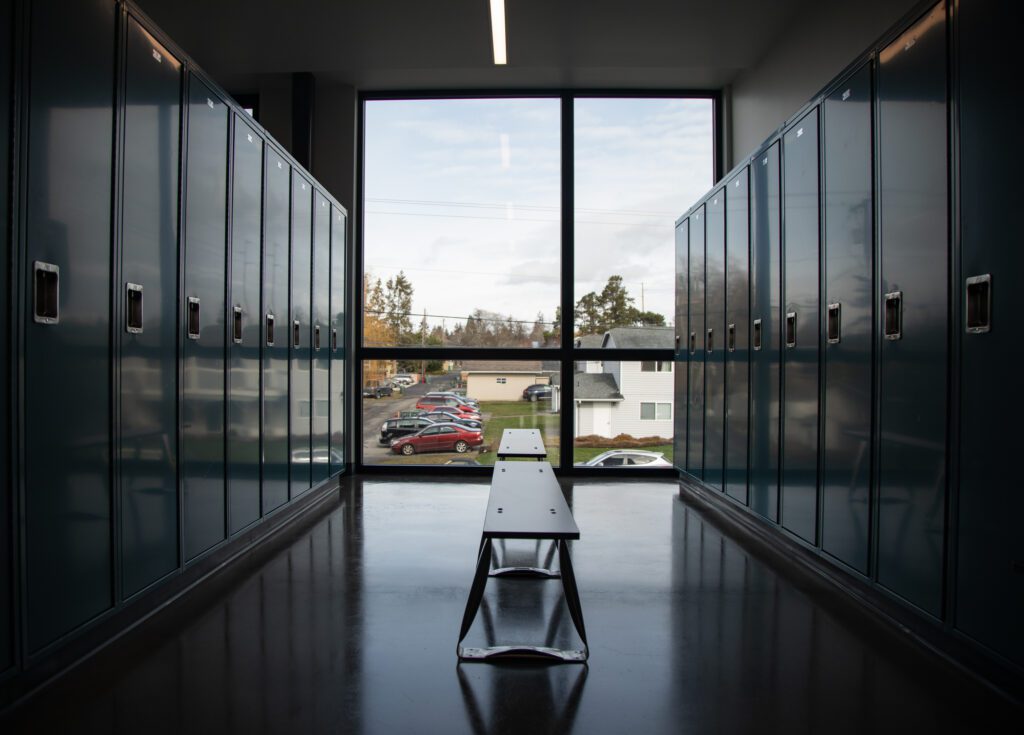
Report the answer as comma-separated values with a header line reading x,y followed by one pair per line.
x,y
474,279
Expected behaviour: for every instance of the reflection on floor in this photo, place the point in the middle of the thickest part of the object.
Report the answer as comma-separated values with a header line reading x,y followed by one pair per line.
x,y
352,628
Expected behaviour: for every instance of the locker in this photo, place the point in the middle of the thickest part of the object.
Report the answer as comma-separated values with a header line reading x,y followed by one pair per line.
x,y
990,568
275,333
682,331
66,291
695,347
320,457
337,311
714,345
737,334
765,338
847,321
244,324
299,330
913,305
203,320
801,288
6,529
148,441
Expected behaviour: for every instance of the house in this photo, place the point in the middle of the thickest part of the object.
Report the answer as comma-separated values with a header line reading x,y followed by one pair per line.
x,y
626,397
505,380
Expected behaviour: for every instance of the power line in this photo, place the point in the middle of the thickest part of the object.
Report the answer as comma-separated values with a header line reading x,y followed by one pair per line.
x,y
521,219
532,207
502,320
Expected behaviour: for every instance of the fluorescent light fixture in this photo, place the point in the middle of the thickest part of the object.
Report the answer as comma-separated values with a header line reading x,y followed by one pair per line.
x,y
498,31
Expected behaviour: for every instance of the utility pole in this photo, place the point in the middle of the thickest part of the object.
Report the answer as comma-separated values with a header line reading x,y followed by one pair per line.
x,y
642,307
423,343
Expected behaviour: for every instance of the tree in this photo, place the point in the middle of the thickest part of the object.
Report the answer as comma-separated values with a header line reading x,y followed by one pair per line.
x,y
613,307
398,306
537,333
588,315
649,319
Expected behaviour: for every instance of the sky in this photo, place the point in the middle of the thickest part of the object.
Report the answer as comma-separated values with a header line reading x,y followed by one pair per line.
x,y
464,197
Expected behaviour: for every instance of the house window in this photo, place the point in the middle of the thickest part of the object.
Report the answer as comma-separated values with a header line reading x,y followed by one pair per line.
x,y
656,366
502,381
655,411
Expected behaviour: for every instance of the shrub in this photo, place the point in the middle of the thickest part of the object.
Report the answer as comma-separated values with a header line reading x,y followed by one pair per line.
x,y
622,441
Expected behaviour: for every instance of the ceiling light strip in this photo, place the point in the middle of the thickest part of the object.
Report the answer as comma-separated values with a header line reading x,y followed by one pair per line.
x,y
498,31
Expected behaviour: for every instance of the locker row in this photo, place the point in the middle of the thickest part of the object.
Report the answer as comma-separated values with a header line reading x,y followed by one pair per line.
x,y
829,313
177,295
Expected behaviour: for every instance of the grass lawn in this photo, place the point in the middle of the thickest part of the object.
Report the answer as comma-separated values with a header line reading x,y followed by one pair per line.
x,y
501,415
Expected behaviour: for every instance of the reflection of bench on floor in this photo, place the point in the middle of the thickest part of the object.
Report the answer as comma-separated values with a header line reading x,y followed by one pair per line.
x,y
522,444
526,503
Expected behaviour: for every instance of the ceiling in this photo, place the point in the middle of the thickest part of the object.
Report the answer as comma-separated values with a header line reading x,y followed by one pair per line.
x,y
446,44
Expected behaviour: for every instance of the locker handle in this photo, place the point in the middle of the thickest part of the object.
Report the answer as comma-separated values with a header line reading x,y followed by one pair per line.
x,y
193,317
316,337
731,338
47,293
133,308
334,340
757,335
296,333
979,304
791,329
270,329
894,315
832,324
693,343
711,340
678,339
236,325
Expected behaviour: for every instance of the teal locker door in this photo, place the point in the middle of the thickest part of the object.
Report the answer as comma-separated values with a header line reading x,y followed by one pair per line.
x,y
681,368
67,342
990,563
737,334
338,363
205,277
275,332
6,529
299,333
244,323
148,442
848,321
765,338
695,347
800,328
321,413
913,306
714,345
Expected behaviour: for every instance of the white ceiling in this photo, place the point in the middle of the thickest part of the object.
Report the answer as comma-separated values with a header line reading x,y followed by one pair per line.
x,y
446,44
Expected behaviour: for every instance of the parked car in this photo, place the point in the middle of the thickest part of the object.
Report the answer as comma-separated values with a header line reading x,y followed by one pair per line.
x,y
412,379
444,416
430,403
403,380
469,461
452,394
376,391
536,392
627,458
438,438
412,414
395,428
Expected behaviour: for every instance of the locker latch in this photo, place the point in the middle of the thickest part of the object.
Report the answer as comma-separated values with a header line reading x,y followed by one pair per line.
x,y
731,338
236,325
296,333
757,335
316,337
47,293
270,329
791,329
832,323
133,308
193,317
334,340
693,343
979,304
894,315
710,346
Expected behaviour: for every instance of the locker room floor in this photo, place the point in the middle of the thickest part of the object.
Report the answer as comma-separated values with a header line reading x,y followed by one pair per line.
x,y
351,627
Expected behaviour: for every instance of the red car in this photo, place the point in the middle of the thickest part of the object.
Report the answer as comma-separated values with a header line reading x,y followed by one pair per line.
x,y
430,403
438,438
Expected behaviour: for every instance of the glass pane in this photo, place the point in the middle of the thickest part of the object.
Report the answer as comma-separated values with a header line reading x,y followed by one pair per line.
x,y
623,415
475,400
462,222
639,165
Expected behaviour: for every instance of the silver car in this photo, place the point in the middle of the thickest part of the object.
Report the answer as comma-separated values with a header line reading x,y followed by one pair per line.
x,y
627,458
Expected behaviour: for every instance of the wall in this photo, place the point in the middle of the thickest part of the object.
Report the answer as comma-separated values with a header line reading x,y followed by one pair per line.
x,y
637,386
485,386
819,41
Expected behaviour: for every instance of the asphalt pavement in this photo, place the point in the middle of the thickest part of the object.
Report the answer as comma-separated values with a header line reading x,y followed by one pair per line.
x,y
378,410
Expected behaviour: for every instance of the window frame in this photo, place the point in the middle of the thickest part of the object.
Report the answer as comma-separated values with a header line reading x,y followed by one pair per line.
x,y
565,353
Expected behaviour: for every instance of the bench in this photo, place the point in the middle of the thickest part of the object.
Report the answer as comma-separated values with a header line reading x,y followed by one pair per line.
x,y
522,444
525,502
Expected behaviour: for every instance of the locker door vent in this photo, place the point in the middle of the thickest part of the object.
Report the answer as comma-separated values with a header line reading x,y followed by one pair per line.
x,y
791,329
133,308
832,327
979,304
894,315
236,325
193,317
757,335
47,293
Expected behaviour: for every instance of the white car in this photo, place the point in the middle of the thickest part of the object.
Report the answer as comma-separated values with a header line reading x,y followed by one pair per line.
x,y
627,458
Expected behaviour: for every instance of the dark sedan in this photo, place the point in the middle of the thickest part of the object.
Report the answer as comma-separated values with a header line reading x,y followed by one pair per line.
x,y
395,428
536,392
438,438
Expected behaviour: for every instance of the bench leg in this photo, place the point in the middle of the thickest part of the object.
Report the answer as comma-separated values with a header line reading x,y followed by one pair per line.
x,y
572,595
476,591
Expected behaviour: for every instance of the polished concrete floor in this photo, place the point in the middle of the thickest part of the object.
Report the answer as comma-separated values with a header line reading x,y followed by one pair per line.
x,y
352,626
